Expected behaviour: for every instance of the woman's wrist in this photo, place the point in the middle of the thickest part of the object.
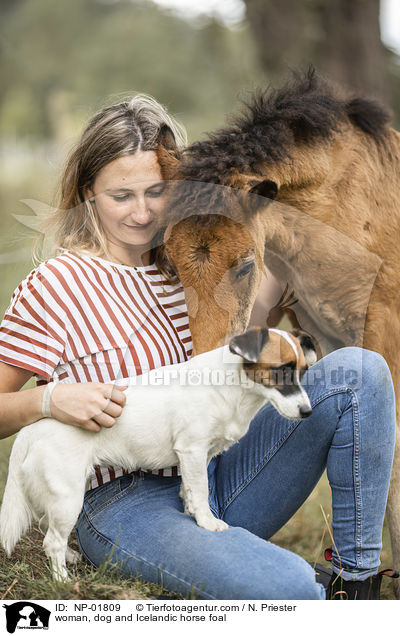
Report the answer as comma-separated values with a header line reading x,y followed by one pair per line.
x,y
34,398
46,399
19,409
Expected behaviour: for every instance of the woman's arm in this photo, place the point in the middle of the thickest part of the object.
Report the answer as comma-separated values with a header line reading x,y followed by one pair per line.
x,y
17,409
88,405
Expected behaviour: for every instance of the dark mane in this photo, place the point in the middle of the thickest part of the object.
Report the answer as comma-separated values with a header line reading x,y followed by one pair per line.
x,y
204,202
304,110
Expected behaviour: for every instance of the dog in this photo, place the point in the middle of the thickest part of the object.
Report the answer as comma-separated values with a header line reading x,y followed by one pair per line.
x,y
184,413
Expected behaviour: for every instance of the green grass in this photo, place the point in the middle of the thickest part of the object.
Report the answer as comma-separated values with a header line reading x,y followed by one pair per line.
x,y
26,574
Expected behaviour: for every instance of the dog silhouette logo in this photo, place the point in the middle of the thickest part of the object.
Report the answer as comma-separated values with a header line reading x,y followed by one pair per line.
x,y
26,615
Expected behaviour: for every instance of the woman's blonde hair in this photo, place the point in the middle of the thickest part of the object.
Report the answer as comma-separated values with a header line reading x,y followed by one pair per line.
x,y
140,123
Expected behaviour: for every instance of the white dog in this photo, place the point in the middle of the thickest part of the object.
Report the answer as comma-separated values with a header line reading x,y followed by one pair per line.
x,y
184,413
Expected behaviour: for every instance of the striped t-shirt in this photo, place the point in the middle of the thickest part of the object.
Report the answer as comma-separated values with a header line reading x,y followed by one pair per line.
x,y
81,318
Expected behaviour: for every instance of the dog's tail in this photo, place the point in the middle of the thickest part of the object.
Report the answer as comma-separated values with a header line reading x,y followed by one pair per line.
x,y
15,514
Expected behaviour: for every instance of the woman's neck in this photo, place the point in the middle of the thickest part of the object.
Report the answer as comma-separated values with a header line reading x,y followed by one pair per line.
x,y
132,258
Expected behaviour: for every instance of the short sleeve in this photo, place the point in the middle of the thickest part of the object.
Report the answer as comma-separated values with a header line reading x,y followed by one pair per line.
x,y
32,332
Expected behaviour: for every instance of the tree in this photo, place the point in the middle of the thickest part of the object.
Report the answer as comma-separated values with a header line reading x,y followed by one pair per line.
x,y
341,38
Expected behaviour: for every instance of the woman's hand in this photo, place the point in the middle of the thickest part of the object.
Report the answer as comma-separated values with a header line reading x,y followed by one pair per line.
x,y
88,405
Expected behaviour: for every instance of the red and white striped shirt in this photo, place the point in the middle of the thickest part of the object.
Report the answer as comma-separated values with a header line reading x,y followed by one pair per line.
x,y
81,318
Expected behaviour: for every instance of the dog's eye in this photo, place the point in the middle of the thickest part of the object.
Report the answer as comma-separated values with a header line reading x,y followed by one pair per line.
x,y
284,374
244,269
288,375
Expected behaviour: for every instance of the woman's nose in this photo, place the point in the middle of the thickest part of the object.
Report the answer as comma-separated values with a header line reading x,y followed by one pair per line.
x,y
140,212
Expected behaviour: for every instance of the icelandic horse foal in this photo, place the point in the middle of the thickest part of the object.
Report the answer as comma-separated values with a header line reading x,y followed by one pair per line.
x,y
332,164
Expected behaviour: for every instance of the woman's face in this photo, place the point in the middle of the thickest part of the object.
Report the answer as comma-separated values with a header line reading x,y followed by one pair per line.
x,y
128,194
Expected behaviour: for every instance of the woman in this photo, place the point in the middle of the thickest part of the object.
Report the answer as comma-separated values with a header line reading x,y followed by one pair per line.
x,y
108,307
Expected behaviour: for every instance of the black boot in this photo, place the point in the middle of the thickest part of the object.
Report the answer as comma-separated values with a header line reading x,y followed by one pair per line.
x,y
341,590
368,590
322,574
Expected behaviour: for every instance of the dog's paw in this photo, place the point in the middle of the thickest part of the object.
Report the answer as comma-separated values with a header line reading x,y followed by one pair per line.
x,y
189,510
62,575
211,523
72,556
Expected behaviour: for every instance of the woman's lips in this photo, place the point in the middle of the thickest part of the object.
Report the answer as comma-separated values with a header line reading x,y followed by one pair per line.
x,y
138,228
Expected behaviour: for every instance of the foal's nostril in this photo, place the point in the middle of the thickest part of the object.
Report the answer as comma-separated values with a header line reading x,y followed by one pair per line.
x,y
305,411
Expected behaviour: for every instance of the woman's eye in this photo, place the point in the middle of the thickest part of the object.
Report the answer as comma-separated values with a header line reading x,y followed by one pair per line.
x,y
157,192
120,197
244,270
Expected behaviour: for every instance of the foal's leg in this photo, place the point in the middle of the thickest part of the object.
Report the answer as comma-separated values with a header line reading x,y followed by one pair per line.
x,y
382,328
393,507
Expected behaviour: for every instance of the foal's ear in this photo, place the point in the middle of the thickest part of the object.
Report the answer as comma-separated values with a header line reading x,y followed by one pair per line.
x,y
249,344
265,190
166,139
168,153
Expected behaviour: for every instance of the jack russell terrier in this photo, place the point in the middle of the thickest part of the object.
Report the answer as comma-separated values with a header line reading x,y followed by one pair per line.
x,y
183,413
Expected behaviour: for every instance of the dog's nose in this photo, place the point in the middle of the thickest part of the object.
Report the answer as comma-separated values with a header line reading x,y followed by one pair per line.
x,y
305,411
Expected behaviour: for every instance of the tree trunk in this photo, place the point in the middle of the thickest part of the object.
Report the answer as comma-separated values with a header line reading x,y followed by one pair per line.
x,y
341,38
278,27
351,51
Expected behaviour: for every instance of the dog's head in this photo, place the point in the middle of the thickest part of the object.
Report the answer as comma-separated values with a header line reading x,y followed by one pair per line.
x,y
276,360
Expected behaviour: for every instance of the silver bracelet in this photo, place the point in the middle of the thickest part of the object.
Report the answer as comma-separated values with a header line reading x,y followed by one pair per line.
x,y
46,399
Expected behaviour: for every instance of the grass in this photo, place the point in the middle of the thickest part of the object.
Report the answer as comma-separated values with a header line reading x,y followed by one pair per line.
x,y
26,574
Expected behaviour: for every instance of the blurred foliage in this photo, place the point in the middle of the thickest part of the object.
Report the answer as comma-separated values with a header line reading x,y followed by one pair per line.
x,y
62,59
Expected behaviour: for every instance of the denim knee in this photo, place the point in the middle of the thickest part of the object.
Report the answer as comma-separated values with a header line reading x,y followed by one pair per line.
x,y
296,582
376,372
355,368
299,584
253,568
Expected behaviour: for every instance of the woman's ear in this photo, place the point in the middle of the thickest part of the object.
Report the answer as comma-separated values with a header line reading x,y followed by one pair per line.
x,y
88,194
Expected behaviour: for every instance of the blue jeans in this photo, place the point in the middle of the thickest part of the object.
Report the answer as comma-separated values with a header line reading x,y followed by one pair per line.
x,y
256,486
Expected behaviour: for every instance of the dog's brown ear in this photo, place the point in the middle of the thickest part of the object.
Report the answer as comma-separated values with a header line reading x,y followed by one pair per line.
x,y
249,344
308,346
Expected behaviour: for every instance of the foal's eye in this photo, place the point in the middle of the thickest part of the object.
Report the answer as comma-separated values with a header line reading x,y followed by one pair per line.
x,y
244,269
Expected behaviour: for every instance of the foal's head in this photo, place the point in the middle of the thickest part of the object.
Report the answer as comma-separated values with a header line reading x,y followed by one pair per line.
x,y
304,144
216,243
